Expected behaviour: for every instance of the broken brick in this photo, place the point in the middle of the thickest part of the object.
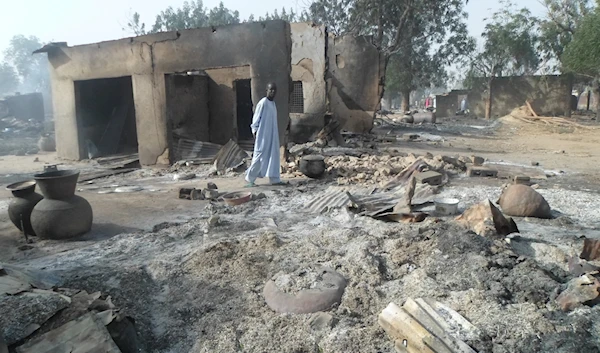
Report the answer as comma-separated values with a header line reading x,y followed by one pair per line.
x,y
430,177
478,171
591,249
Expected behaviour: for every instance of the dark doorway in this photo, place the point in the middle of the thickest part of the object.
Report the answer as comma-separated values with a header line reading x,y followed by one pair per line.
x,y
187,112
106,117
243,92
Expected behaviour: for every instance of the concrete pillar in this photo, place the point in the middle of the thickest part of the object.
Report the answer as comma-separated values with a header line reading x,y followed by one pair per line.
x,y
68,145
151,119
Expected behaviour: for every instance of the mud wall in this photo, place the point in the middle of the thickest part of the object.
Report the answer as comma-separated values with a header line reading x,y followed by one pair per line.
x,y
548,95
308,65
265,47
223,123
354,81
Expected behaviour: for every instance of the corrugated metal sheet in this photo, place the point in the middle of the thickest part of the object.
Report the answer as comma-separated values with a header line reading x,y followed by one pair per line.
x,y
332,198
230,156
196,150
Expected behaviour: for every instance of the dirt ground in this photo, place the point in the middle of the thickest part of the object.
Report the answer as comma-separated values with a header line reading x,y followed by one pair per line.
x,y
194,285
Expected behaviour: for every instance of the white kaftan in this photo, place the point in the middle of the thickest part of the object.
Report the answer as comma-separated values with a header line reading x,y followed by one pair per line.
x,y
265,161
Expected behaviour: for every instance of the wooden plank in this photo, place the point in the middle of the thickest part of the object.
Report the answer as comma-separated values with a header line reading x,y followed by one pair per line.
x,y
104,173
531,109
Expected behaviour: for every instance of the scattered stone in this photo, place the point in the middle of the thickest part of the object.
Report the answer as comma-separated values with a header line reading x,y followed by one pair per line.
x,y
429,177
410,137
479,171
522,180
213,220
578,267
477,161
260,196
184,176
210,194
211,186
580,290
320,321
591,249
524,201
487,220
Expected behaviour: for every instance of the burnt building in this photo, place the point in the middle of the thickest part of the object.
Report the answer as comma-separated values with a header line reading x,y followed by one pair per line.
x,y
143,94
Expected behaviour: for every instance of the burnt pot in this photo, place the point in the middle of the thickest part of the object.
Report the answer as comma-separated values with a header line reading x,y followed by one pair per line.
x,y
57,185
62,219
313,166
61,214
25,199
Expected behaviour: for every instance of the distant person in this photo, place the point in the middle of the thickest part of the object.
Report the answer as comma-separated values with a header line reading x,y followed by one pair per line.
x,y
463,104
265,160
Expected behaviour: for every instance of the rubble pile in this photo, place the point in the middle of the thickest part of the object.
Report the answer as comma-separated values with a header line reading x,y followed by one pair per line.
x,y
378,169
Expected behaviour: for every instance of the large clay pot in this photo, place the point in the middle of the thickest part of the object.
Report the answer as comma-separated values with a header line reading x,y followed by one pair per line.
x,y
21,206
61,214
523,201
313,166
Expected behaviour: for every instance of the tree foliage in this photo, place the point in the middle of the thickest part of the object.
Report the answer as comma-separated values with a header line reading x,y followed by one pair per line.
x,y
9,80
420,38
582,54
23,70
192,14
510,45
562,20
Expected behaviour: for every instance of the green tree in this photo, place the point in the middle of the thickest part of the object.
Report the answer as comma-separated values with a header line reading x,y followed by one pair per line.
x,y
32,70
419,38
509,49
9,80
192,14
563,18
582,54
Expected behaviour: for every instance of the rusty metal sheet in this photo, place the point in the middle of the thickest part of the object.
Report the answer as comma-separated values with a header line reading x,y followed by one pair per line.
x,y
87,334
196,150
230,156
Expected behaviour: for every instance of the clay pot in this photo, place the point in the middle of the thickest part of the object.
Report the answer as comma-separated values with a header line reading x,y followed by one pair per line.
x,y
61,214
523,201
21,206
313,166
46,143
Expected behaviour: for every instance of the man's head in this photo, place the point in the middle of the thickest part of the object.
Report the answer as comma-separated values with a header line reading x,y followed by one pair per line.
x,y
271,91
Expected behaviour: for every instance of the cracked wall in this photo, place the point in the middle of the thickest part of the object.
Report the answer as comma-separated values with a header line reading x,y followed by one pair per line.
x,y
355,79
309,65
264,47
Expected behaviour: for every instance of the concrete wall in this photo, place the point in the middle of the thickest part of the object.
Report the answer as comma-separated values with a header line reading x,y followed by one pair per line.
x,y
223,124
548,95
265,47
355,77
308,65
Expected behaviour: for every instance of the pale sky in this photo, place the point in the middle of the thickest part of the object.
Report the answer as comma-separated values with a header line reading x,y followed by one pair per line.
x,y
89,21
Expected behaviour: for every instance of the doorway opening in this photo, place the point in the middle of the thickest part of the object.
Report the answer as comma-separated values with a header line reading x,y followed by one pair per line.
x,y
187,113
106,117
243,95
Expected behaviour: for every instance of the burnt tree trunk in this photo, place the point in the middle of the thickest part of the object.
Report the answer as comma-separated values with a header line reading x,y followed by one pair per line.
x,y
488,101
405,95
596,92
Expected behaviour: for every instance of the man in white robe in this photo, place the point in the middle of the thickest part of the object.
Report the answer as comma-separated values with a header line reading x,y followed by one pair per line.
x,y
265,160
